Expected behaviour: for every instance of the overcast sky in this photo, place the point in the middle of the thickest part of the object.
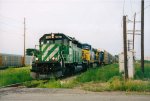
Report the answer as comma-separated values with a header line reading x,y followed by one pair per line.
x,y
97,22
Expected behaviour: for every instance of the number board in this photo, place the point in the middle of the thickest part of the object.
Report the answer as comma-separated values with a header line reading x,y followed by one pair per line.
x,y
58,37
50,37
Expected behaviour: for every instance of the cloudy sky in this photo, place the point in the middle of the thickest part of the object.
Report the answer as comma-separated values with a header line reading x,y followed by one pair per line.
x,y
97,22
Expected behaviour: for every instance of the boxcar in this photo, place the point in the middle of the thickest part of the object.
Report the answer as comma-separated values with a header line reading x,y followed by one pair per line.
x,y
7,60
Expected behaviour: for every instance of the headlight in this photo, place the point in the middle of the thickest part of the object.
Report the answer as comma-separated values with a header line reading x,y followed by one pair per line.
x,y
36,59
54,59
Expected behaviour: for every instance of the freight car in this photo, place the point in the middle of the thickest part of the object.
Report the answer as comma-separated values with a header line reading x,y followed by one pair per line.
x,y
61,55
108,58
7,60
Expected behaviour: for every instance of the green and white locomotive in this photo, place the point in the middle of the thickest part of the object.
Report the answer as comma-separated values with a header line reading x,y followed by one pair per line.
x,y
59,55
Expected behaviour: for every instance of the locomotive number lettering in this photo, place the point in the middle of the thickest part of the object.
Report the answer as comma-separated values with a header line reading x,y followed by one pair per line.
x,y
58,36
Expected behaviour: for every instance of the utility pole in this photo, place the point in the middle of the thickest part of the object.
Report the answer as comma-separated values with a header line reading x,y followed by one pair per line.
x,y
142,35
134,30
24,41
133,35
125,47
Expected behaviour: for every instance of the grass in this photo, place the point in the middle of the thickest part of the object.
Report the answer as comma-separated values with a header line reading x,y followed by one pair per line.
x,y
14,75
139,74
130,85
115,82
118,84
102,74
50,84
106,78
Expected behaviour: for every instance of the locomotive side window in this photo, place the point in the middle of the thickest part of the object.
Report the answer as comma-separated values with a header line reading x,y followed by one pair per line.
x,y
66,42
70,43
49,41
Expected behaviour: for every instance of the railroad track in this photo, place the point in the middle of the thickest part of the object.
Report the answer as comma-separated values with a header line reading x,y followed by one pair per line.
x,y
19,84
14,85
62,79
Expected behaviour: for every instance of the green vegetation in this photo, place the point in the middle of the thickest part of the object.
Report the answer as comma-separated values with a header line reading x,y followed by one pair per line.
x,y
138,72
141,82
106,78
14,75
50,84
116,83
102,74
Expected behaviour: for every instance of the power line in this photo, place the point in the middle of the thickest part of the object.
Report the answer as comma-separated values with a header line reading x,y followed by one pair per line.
x,y
123,6
144,9
131,6
9,25
12,33
10,29
12,19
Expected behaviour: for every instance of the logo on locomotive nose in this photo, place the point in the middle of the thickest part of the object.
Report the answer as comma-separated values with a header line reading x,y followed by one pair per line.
x,y
49,52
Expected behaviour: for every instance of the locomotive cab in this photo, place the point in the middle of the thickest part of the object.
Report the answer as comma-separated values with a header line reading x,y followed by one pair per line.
x,y
86,54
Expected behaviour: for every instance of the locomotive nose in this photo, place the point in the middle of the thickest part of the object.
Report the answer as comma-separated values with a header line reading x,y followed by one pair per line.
x,y
51,53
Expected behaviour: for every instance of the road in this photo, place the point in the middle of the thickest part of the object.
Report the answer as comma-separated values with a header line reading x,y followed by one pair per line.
x,y
44,94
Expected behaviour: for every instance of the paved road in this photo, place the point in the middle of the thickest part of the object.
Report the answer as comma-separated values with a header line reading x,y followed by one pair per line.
x,y
39,94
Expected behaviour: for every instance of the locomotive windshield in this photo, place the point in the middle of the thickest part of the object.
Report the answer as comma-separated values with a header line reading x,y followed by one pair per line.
x,y
54,39
86,46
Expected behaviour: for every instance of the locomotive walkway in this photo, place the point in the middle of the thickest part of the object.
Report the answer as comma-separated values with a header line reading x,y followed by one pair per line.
x,y
44,94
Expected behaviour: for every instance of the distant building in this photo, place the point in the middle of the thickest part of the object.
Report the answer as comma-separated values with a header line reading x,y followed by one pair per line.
x,y
147,58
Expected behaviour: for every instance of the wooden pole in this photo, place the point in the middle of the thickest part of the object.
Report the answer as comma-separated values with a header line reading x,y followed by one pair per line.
x,y
134,30
125,47
142,35
24,41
